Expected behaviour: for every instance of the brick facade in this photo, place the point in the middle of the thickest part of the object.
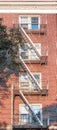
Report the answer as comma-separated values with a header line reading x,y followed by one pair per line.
x,y
48,71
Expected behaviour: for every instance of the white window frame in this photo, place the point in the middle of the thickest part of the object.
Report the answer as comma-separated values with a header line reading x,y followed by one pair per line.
x,y
36,104
30,83
38,21
23,83
24,23
29,54
29,20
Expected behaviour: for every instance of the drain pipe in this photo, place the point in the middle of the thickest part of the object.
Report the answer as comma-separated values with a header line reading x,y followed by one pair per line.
x,y
12,100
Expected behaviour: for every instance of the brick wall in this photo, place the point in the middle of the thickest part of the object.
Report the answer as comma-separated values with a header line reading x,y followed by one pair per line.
x,y
49,71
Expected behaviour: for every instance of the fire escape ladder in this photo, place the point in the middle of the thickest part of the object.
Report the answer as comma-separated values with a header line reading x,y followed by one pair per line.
x,y
27,69
30,109
28,39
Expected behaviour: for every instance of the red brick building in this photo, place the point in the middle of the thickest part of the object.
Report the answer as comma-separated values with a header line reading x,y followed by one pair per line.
x,y
29,100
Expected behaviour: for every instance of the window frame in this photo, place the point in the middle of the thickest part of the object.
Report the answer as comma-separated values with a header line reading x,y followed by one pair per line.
x,y
30,83
29,52
38,23
25,24
28,113
29,21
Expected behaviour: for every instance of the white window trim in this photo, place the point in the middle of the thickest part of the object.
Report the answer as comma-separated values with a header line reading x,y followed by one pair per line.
x,y
29,20
38,104
38,22
29,53
30,87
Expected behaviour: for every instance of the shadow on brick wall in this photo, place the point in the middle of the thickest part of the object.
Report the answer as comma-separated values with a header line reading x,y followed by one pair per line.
x,y
50,113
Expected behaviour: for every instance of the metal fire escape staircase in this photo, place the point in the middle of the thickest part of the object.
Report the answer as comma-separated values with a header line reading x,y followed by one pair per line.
x,y
30,109
27,69
27,39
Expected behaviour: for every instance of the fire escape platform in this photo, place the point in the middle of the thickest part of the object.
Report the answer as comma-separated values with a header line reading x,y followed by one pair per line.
x,y
41,31
44,92
30,126
43,60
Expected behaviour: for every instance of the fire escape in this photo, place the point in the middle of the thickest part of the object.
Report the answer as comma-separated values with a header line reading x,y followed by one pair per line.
x,y
40,91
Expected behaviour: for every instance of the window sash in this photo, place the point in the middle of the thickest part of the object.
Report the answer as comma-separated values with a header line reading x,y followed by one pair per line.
x,y
34,26
24,20
25,82
25,26
24,118
28,22
37,77
34,23
34,20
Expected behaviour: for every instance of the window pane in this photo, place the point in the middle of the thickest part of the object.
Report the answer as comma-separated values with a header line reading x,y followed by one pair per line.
x,y
34,26
34,20
24,52
37,111
25,26
37,77
23,77
36,108
24,55
24,20
24,82
23,110
24,118
34,23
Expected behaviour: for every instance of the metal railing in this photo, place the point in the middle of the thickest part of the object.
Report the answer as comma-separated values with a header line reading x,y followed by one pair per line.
x,y
27,86
28,120
41,28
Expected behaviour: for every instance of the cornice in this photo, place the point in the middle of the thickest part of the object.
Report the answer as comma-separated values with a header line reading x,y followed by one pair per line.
x,y
28,4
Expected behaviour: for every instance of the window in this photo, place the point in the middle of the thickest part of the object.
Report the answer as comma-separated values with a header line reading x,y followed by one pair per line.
x,y
23,117
27,52
38,78
26,83
24,51
37,110
26,116
24,22
35,23
29,22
